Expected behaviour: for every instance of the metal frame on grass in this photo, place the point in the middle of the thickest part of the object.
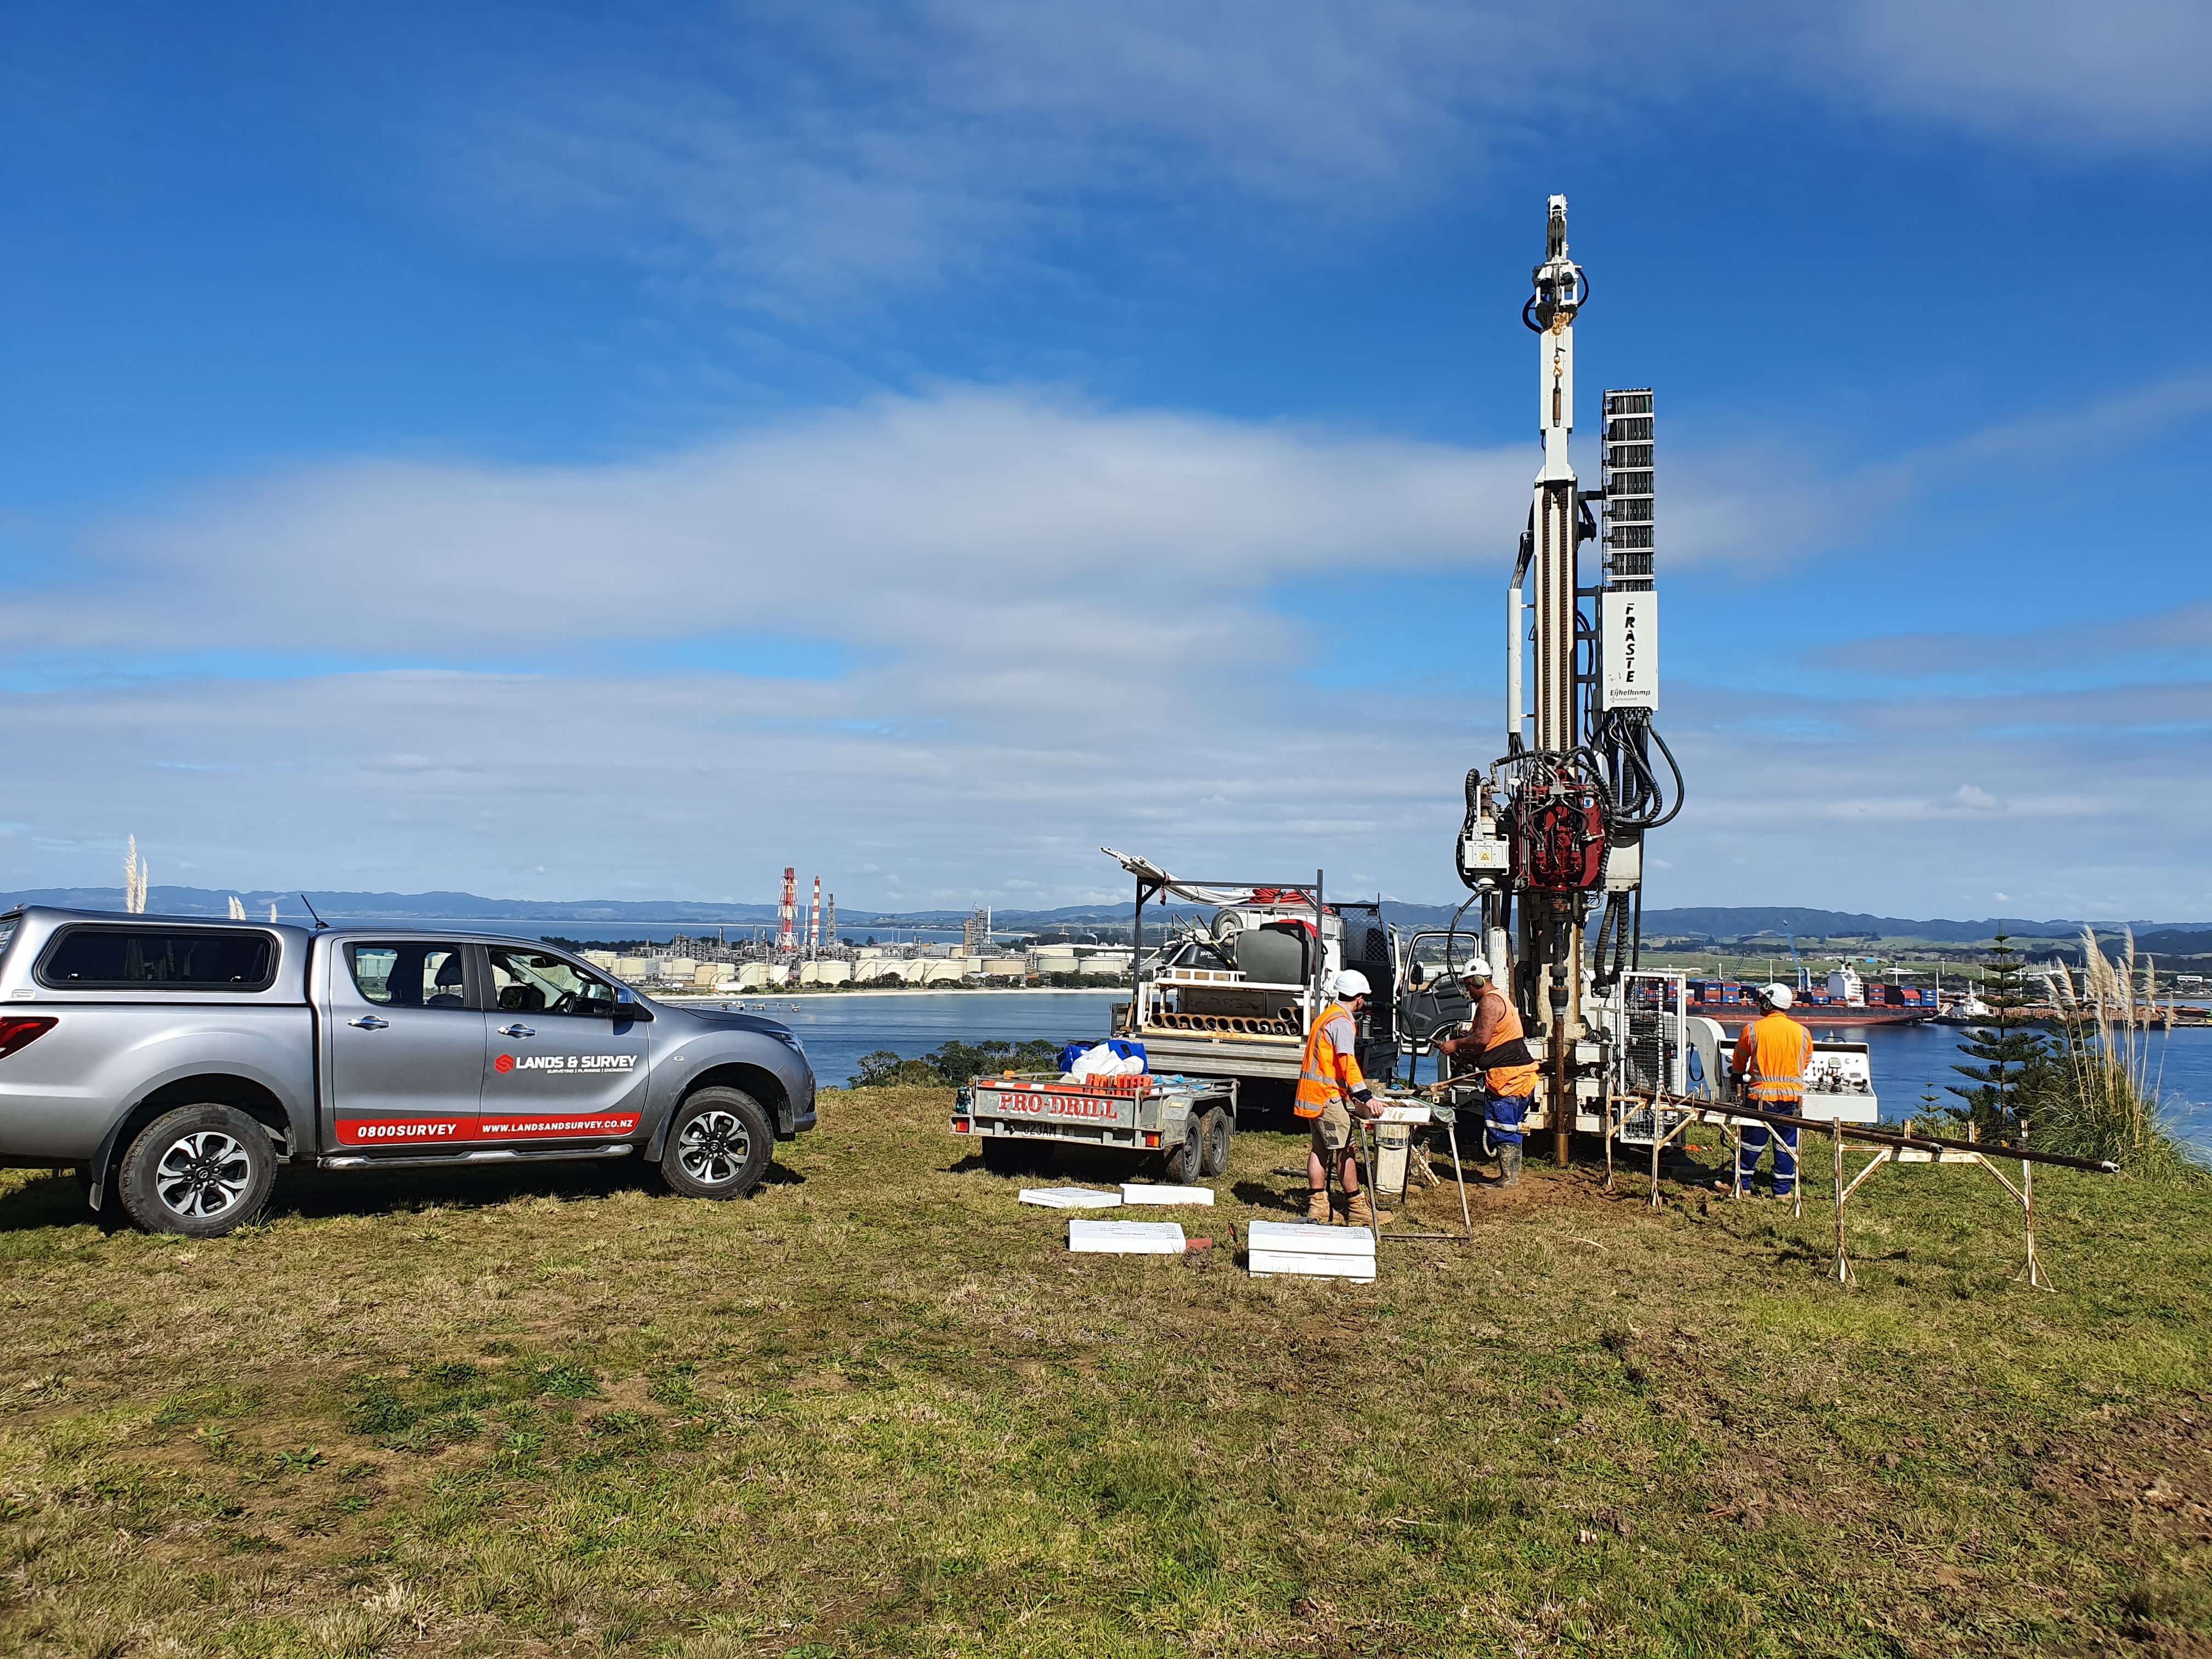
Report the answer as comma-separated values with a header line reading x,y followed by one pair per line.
x,y
1888,1146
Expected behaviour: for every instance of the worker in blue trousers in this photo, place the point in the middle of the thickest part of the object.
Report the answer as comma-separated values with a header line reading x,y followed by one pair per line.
x,y
1771,1053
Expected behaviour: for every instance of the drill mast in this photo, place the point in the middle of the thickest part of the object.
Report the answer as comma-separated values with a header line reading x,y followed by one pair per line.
x,y
1558,821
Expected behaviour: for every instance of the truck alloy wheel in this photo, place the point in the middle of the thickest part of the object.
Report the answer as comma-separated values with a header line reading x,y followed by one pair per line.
x,y
718,1147
199,1171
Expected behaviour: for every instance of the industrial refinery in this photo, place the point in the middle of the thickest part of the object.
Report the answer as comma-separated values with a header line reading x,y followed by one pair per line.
x,y
810,955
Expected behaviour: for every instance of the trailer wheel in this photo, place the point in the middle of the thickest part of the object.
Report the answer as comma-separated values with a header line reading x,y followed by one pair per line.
x,y
200,1170
718,1147
1214,1142
1181,1165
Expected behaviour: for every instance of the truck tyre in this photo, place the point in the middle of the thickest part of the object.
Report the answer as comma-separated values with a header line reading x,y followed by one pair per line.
x,y
199,1171
1012,1155
718,1147
1180,1166
1213,1143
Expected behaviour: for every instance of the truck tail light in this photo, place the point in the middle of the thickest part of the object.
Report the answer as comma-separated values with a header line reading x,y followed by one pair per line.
x,y
17,1033
1151,1138
961,1126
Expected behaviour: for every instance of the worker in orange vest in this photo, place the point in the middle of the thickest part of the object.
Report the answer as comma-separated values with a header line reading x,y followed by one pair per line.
x,y
1331,1088
1498,1049
1771,1053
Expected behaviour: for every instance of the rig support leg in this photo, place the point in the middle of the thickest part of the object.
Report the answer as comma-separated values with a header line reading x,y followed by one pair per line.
x,y
2035,1278
1842,1256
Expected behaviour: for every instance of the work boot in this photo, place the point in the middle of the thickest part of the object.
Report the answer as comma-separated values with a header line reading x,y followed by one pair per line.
x,y
1509,1165
1317,1207
1360,1213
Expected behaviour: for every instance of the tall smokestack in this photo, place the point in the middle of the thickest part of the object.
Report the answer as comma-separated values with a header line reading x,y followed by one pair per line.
x,y
786,915
814,920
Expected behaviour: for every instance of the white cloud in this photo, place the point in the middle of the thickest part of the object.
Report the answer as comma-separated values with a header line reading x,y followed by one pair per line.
x,y
823,159
2115,75
907,526
1053,631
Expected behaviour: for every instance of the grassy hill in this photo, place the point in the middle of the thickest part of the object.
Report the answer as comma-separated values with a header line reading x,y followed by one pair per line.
x,y
879,1409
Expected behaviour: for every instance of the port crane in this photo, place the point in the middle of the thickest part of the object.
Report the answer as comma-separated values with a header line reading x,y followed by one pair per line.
x,y
1554,827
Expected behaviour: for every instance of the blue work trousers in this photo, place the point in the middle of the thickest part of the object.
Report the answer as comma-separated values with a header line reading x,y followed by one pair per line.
x,y
1755,1137
1504,1115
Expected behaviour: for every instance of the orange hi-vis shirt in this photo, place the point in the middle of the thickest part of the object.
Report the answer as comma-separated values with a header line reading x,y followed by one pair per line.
x,y
1510,1069
1331,1064
1772,1052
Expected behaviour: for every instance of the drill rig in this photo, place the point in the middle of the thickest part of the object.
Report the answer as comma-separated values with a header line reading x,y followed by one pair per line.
x,y
1555,826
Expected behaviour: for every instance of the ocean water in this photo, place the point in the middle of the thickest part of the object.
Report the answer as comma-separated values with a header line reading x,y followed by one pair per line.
x,y
1908,1061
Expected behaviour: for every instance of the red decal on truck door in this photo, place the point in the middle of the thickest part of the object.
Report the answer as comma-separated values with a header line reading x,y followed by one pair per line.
x,y
556,1126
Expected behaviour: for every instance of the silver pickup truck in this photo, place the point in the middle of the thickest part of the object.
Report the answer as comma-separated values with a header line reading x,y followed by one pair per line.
x,y
175,1062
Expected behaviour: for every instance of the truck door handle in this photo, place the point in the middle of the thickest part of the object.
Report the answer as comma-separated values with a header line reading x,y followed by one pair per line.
x,y
517,1029
369,1023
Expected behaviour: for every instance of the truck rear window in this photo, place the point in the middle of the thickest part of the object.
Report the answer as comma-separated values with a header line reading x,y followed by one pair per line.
x,y
119,958
6,932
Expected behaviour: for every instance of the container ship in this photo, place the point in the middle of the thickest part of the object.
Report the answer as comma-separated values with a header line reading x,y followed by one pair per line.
x,y
1843,998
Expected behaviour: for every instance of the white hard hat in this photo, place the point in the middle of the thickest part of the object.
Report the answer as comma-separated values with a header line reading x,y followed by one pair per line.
x,y
1778,996
1349,982
1474,968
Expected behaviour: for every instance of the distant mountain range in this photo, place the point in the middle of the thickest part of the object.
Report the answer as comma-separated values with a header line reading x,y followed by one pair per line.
x,y
1719,923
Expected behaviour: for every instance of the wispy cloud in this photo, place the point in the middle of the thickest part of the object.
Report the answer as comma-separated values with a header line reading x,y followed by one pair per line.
x,y
2058,75
815,159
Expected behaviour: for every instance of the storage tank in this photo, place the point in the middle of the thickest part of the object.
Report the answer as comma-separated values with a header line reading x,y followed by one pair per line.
x,y
834,973
707,972
752,975
678,967
950,971
630,967
1007,967
601,959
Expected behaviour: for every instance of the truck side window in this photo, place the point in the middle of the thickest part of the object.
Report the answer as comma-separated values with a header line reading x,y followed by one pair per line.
x,y
408,975
533,983
133,958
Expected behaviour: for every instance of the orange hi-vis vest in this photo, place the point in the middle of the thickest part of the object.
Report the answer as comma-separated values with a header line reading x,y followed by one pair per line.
x,y
1331,1065
1509,1068
1777,1049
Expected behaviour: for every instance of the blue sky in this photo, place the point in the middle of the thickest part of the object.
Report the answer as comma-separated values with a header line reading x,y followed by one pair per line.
x,y
550,454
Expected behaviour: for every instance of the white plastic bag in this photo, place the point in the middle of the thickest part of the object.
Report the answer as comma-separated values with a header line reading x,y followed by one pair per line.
x,y
1102,1061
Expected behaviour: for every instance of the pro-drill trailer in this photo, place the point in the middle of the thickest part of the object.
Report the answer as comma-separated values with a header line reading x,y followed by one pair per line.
x,y
1558,822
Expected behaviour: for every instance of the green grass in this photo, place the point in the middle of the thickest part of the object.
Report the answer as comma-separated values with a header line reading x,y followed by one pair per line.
x,y
879,1409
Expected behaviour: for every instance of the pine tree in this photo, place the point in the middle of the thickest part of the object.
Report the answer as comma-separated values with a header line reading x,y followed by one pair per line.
x,y
2014,1060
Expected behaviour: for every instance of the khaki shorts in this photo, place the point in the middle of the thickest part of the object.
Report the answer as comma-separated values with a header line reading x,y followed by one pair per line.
x,y
1332,1130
